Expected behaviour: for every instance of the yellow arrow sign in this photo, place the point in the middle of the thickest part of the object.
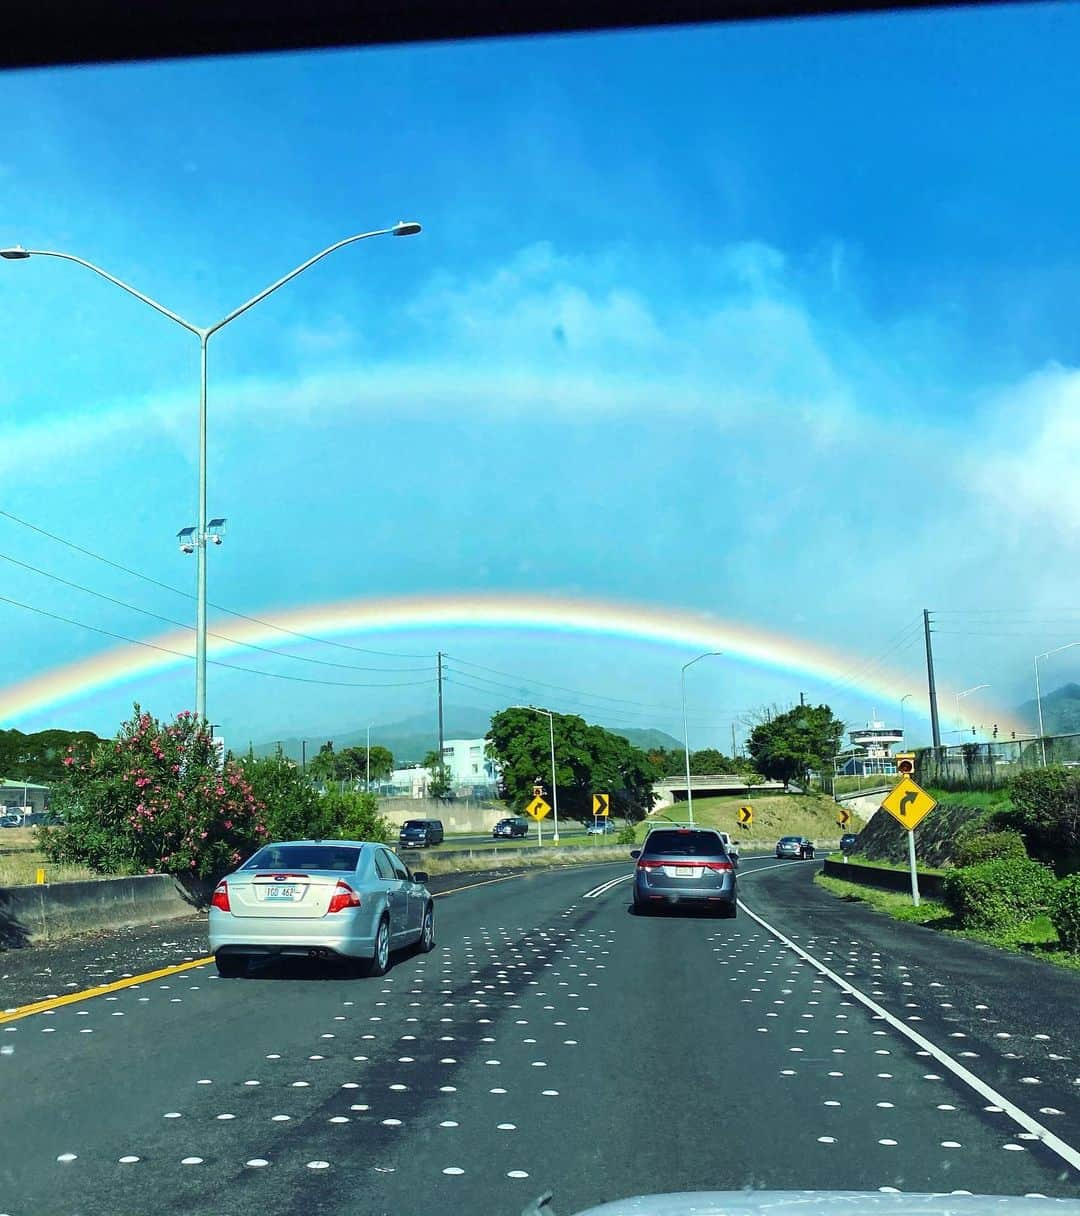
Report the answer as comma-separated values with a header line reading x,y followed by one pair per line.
x,y
746,816
843,817
908,803
538,808
601,805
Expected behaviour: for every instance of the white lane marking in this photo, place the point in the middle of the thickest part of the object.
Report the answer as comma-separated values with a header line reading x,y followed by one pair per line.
x,y
1065,1151
604,887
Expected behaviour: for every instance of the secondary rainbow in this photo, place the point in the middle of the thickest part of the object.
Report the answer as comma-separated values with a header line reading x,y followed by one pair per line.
x,y
361,619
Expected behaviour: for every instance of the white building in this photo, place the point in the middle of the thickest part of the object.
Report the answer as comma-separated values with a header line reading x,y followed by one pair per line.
x,y
870,750
472,772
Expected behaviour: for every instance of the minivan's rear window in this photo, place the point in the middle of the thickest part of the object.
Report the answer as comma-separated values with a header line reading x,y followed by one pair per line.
x,y
684,844
414,823
340,858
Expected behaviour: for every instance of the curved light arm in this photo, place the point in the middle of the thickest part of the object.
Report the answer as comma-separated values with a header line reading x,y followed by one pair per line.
x,y
968,691
404,229
132,291
709,654
1057,650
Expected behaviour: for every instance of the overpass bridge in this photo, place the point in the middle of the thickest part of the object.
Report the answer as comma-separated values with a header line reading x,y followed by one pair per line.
x,y
717,785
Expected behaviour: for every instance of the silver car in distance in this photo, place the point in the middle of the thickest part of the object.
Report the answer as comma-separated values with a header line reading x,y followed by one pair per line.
x,y
350,900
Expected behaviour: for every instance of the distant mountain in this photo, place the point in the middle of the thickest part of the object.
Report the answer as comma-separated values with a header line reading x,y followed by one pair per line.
x,y
646,739
411,739
1060,711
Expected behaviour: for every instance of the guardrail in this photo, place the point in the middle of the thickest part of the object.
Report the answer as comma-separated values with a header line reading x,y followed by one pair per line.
x,y
932,886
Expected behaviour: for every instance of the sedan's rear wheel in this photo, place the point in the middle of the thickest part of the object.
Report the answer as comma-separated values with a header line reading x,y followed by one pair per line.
x,y
230,966
380,962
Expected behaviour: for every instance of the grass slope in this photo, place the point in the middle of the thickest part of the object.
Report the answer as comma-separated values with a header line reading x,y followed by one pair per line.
x,y
811,815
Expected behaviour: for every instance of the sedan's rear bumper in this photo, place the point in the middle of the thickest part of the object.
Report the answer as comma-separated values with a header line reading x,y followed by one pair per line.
x,y
251,935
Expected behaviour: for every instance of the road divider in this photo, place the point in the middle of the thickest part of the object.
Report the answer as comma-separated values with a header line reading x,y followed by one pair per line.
x,y
932,886
604,887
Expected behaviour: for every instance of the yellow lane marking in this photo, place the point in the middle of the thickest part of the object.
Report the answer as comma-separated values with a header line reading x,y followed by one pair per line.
x,y
86,994
70,998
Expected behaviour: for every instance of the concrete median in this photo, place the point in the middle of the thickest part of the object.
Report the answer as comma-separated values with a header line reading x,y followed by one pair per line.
x,y
56,910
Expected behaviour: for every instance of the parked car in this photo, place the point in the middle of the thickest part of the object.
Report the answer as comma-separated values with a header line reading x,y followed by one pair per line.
x,y
848,842
342,899
510,828
420,833
684,866
601,827
795,846
10,821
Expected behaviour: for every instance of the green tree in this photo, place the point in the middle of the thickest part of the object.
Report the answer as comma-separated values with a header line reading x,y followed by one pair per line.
x,y
38,757
440,784
153,800
786,746
323,766
292,807
353,815
589,759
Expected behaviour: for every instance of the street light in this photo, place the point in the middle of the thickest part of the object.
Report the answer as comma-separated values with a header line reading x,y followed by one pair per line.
x,y
554,788
709,654
902,700
966,693
202,536
1038,694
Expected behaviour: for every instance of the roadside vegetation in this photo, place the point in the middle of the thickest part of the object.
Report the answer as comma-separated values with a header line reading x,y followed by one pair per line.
x,y
1010,860
775,815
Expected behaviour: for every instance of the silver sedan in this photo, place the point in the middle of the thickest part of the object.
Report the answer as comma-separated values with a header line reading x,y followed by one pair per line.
x,y
329,899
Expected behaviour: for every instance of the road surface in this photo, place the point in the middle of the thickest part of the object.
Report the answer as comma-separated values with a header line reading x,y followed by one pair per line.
x,y
552,1041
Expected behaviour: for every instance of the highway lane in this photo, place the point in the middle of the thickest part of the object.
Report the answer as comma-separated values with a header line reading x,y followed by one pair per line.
x,y
552,1040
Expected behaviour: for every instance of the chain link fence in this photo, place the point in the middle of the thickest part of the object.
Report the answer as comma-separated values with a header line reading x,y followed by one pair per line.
x,y
985,766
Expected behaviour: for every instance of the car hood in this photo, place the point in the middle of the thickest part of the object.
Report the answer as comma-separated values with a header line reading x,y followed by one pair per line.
x,y
825,1203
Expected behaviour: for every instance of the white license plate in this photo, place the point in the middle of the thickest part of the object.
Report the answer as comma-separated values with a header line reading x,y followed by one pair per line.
x,y
684,871
284,892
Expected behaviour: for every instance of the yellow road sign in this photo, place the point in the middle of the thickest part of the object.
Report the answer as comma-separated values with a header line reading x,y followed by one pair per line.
x,y
746,816
843,817
601,805
908,803
538,808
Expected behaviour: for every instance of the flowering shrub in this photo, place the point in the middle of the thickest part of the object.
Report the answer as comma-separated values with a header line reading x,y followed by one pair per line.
x,y
153,800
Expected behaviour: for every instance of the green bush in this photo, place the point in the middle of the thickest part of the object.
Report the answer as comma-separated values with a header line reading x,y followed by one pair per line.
x,y
626,835
353,816
1065,912
976,848
153,800
999,895
1046,808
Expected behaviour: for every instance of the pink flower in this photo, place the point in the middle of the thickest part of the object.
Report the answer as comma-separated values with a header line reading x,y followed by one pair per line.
x,y
228,825
203,835
68,761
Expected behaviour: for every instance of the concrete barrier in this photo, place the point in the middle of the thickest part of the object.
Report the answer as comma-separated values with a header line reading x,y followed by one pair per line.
x,y
932,886
62,909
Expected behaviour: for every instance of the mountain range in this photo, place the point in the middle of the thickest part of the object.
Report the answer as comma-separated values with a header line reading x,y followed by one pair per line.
x,y
410,739
1060,711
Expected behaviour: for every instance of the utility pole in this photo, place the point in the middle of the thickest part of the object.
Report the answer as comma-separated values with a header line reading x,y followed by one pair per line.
x,y
802,699
440,711
303,755
733,752
934,725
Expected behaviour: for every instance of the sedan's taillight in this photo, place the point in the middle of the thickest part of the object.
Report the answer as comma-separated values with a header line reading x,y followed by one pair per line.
x,y
221,897
344,897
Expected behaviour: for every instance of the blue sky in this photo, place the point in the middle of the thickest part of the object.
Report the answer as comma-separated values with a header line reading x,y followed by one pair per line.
x,y
771,321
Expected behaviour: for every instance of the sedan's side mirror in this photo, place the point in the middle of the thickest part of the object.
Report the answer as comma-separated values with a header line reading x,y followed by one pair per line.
x,y
635,853
420,876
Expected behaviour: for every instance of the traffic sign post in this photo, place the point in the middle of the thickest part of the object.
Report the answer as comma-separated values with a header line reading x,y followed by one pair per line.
x,y
538,808
843,817
909,804
746,817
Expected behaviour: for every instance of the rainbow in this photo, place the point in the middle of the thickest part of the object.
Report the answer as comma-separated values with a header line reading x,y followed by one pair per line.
x,y
362,618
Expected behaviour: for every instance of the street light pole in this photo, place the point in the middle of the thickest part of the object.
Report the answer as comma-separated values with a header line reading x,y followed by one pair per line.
x,y
204,333
554,787
1038,694
368,778
902,700
686,736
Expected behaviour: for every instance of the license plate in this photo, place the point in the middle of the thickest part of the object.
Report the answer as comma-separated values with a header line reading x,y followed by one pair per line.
x,y
283,892
684,871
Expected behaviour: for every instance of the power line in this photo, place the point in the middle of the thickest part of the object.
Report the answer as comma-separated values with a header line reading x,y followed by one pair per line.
x,y
168,620
902,642
596,696
146,578
251,671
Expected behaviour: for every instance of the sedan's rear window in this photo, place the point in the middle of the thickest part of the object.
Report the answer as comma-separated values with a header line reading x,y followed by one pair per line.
x,y
342,858
684,844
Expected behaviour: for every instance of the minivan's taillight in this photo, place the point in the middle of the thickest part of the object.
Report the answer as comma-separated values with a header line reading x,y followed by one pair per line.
x,y
649,863
720,866
221,897
344,897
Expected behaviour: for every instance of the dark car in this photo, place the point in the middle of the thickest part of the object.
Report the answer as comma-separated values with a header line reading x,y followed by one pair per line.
x,y
848,842
10,820
510,828
420,833
795,846
684,867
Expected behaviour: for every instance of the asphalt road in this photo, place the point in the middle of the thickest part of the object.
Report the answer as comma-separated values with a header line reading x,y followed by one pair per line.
x,y
553,1040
